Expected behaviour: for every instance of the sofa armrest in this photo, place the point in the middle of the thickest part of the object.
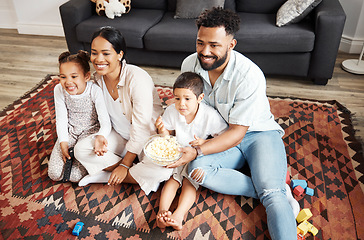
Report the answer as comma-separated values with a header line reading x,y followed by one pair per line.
x,y
72,13
329,19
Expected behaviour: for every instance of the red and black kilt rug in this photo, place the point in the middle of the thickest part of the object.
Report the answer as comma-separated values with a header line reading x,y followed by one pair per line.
x,y
320,145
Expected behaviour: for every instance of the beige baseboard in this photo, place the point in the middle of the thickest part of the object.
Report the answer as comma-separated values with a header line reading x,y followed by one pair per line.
x,y
40,29
351,45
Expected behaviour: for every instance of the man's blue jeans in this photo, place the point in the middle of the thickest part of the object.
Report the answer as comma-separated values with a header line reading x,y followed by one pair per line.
x,y
266,156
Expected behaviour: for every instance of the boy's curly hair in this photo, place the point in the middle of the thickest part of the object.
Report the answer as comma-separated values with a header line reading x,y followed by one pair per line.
x,y
218,17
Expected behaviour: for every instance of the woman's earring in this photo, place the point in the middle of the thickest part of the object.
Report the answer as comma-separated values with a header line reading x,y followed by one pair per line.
x,y
119,59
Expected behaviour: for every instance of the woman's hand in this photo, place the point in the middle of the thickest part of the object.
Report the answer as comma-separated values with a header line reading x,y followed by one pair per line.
x,y
100,145
197,142
65,153
188,154
117,175
161,129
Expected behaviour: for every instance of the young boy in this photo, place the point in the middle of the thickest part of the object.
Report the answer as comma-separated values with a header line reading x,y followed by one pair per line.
x,y
192,122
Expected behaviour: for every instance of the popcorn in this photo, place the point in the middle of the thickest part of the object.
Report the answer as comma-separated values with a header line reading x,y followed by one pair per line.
x,y
163,148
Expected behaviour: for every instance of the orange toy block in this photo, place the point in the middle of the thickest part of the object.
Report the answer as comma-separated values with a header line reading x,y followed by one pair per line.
x,y
288,178
298,190
300,237
303,215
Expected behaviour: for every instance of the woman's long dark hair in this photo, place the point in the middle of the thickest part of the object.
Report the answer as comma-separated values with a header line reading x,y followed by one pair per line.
x,y
113,36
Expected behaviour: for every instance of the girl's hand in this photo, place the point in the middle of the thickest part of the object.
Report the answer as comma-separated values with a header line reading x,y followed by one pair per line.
x,y
161,129
65,153
197,142
100,145
117,175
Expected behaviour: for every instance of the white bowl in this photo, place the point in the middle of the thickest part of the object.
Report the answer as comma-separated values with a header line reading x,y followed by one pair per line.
x,y
162,159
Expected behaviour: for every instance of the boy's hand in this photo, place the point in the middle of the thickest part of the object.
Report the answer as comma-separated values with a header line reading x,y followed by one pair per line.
x,y
161,129
65,153
197,142
100,145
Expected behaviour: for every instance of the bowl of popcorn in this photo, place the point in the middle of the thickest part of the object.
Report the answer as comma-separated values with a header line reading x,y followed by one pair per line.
x,y
162,150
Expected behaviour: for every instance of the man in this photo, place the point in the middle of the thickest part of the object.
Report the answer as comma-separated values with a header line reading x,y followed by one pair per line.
x,y
236,87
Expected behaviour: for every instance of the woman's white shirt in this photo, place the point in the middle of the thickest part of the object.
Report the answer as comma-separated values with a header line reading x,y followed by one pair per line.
x,y
116,113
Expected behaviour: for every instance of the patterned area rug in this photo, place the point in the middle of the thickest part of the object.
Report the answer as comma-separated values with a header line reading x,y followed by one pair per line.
x,y
320,147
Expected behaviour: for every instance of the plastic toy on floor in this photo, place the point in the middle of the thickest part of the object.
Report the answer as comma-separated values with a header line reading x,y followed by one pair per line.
x,y
304,226
77,229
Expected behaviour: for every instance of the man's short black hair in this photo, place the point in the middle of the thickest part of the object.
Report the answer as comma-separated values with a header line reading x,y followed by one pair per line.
x,y
219,17
191,81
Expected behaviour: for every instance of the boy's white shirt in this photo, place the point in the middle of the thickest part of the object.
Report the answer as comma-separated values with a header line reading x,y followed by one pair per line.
x,y
62,115
207,122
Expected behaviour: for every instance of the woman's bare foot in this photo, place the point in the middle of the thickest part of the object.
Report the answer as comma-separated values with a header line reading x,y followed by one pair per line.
x,y
161,223
174,221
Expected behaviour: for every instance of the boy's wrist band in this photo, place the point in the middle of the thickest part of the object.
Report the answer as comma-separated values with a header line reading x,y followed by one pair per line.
x,y
121,164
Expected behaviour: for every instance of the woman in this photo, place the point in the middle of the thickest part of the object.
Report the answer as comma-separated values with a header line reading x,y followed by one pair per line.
x,y
133,105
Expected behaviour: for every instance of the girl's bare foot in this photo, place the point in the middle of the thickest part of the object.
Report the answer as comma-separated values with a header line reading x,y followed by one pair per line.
x,y
161,223
174,221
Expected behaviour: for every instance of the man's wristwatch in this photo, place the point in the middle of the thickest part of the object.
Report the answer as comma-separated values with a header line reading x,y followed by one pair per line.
x,y
198,150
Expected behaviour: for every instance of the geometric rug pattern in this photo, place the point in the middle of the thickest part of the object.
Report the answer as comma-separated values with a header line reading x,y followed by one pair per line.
x,y
320,145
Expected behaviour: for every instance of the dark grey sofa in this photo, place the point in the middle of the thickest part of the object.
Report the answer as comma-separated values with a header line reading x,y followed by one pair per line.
x,y
154,37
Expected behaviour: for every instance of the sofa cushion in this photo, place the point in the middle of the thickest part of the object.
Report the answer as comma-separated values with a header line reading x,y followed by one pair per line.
x,y
150,4
258,6
294,11
193,8
132,25
172,35
258,33
229,4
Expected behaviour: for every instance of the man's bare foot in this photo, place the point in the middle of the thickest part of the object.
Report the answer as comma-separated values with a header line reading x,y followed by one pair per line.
x,y
161,223
174,221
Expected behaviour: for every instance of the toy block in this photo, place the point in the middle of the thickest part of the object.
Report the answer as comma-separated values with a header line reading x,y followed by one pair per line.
x,y
288,178
309,191
296,182
298,190
303,228
313,230
304,215
300,237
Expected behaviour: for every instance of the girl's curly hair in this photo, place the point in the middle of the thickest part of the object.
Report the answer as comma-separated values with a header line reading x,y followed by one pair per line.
x,y
218,17
82,58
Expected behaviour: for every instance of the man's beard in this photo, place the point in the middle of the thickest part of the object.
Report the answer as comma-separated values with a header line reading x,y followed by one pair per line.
x,y
214,65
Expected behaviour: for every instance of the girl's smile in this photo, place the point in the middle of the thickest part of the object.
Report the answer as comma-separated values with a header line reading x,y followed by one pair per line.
x,y
72,78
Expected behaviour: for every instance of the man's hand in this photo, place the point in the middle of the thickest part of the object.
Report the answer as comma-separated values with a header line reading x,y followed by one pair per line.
x,y
65,153
100,145
188,154
117,175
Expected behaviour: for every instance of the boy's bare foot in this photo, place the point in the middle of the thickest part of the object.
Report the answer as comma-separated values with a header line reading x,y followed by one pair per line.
x,y
161,223
174,221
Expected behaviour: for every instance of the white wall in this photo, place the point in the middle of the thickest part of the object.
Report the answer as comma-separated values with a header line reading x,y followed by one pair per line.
x,y
353,36
7,14
39,17
42,17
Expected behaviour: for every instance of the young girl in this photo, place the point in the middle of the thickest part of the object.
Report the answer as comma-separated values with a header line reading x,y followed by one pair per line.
x,y
80,112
